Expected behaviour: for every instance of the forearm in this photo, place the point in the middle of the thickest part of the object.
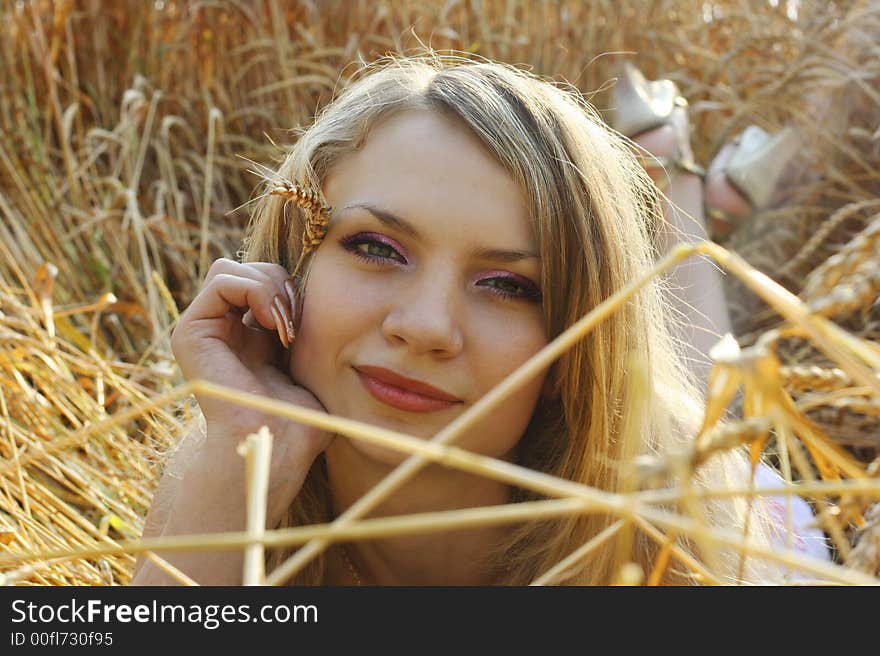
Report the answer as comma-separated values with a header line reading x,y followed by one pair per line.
x,y
207,503
211,500
163,501
203,492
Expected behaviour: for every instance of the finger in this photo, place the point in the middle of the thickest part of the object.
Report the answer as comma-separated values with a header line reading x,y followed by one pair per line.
x,y
284,280
275,271
268,274
249,321
265,272
226,292
224,265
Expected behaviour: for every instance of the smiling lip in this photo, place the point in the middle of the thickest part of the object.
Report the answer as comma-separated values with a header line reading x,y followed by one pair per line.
x,y
404,393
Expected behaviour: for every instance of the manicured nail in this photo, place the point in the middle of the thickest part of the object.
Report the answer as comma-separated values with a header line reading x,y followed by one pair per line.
x,y
279,326
288,323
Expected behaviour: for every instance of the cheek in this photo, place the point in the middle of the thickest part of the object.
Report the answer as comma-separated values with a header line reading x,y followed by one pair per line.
x,y
498,433
333,314
501,344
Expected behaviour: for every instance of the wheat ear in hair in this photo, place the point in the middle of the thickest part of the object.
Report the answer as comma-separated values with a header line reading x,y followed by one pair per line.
x,y
316,212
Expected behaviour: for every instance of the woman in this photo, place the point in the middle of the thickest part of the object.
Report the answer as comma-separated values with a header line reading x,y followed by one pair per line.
x,y
477,212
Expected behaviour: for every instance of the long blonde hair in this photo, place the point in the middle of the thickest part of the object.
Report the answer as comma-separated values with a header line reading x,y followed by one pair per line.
x,y
621,391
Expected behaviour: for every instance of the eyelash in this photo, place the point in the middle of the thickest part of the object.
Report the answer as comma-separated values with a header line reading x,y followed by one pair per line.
x,y
352,243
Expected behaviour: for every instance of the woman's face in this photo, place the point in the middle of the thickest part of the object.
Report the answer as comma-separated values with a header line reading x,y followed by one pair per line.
x,y
429,270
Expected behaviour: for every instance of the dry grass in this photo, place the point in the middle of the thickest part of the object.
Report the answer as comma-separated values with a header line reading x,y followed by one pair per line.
x,y
125,131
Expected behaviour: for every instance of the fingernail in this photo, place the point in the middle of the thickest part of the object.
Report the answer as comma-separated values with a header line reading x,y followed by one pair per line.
x,y
288,323
291,294
279,326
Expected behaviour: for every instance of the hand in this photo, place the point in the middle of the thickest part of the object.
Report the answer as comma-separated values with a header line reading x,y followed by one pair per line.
x,y
232,334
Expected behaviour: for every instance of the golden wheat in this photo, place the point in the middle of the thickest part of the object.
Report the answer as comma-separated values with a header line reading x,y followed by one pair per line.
x,y
121,175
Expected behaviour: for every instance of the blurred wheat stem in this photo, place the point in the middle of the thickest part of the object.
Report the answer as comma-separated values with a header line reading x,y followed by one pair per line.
x,y
451,520
431,451
534,365
824,516
662,562
169,569
452,456
257,451
561,569
360,530
826,336
784,438
818,399
688,560
868,486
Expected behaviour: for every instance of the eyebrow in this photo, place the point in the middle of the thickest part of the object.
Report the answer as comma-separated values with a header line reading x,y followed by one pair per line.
x,y
401,225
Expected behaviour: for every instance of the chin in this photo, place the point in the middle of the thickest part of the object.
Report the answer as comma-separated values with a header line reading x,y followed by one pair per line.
x,y
415,426
500,449
379,454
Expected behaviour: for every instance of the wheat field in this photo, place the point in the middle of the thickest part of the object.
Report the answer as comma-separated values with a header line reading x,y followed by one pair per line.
x,y
126,135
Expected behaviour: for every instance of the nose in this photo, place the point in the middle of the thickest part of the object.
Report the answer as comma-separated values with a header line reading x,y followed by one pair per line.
x,y
425,318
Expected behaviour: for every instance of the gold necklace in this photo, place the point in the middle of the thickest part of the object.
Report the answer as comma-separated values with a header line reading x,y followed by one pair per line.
x,y
351,567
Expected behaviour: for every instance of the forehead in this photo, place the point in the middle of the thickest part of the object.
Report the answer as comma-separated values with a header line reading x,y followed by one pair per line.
x,y
431,170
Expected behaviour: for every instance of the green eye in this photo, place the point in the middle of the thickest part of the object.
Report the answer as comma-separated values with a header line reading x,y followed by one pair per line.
x,y
376,248
371,249
511,289
506,285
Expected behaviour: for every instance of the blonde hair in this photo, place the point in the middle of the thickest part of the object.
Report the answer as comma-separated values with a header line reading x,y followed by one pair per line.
x,y
621,391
